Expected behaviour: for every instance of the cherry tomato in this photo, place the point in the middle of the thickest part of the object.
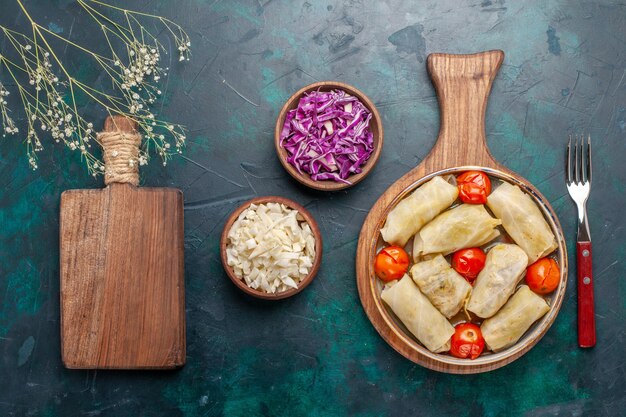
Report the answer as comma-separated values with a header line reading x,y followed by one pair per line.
x,y
467,341
474,187
469,262
391,263
543,276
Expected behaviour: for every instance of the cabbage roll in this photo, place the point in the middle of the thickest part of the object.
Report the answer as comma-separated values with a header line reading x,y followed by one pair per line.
x,y
442,285
465,226
414,211
522,220
509,325
426,323
504,268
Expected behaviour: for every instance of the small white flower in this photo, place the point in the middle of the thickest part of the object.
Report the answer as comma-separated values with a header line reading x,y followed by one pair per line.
x,y
27,47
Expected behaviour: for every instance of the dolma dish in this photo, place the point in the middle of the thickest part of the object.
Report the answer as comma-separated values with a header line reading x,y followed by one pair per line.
x,y
452,264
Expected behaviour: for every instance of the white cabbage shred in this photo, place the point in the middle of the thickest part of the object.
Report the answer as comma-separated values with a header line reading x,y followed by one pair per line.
x,y
271,247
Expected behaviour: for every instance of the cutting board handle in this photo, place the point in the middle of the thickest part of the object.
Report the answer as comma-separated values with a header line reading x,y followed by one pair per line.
x,y
463,84
120,142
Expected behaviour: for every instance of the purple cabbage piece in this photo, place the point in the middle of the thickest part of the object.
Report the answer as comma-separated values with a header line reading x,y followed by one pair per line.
x,y
328,136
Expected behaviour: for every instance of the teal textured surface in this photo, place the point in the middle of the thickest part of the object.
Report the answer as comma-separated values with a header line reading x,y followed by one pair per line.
x,y
316,353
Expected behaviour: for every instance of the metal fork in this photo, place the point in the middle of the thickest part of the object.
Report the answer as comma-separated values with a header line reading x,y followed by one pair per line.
x,y
578,171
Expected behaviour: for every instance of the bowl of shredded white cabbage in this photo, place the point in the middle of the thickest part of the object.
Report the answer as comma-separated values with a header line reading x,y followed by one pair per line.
x,y
271,247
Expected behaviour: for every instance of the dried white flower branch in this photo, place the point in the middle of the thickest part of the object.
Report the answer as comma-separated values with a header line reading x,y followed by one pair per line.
x,y
47,88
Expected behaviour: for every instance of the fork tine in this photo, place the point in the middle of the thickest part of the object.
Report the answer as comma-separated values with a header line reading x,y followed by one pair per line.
x,y
583,161
589,158
568,161
576,161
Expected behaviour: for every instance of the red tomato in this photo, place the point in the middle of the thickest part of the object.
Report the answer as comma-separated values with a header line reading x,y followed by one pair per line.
x,y
391,263
474,187
543,276
467,341
469,262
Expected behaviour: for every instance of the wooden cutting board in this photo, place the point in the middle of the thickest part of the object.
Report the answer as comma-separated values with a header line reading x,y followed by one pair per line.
x,y
463,84
122,276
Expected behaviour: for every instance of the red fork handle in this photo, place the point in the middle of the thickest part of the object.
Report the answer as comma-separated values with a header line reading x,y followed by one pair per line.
x,y
586,317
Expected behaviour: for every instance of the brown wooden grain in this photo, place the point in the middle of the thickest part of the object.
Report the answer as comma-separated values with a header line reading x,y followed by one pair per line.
x,y
376,127
238,281
122,276
462,83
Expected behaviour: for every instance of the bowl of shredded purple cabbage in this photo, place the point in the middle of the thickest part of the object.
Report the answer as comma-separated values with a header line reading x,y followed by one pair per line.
x,y
329,135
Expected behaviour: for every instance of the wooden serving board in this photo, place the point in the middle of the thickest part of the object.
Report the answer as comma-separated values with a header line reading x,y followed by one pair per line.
x,y
463,84
122,276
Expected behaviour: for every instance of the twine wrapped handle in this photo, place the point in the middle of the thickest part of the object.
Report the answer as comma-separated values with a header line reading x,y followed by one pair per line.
x,y
120,142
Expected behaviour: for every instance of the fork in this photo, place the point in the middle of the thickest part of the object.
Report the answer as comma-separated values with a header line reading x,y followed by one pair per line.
x,y
578,171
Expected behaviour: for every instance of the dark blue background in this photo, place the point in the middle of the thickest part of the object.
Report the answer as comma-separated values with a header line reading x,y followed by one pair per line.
x,y
317,354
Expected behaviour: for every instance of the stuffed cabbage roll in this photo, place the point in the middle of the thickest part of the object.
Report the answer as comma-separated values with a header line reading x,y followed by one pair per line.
x,y
465,226
426,323
509,325
522,220
442,285
504,267
420,207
